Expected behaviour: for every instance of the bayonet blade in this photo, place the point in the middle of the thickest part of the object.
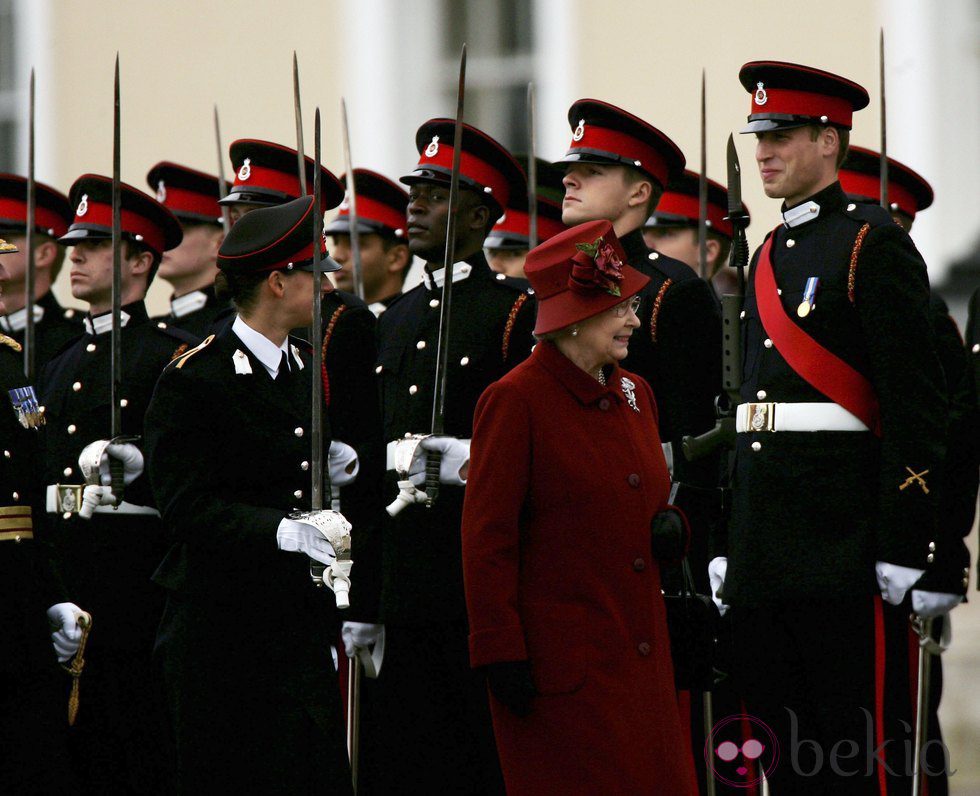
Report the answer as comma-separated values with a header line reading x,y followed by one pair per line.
x,y
532,172
352,226
29,272
883,163
298,109
703,192
225,215
734,178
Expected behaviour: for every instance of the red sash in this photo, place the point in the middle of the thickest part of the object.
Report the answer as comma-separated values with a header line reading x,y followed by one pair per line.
x,y
816,365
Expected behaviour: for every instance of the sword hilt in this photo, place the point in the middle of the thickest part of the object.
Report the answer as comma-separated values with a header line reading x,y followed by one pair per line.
x,y
433,461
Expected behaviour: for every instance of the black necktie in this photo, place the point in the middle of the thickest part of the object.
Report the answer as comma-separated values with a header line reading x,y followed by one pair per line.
x,y
283,373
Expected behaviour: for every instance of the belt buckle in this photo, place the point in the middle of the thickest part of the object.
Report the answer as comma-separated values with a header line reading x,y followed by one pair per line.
x,y
69,497
762,417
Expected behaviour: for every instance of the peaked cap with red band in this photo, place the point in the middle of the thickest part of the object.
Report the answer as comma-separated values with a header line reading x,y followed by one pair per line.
x,y
266,174
484,165
572,285
786,95
189,194
860,177
679,205
513,230
381,207
603,133
52,212
144,219
277,238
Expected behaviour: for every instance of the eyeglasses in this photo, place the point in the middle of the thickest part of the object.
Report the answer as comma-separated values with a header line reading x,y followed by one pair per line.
x,y
633,305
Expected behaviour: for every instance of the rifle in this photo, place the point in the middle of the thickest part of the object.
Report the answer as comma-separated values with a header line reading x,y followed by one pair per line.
x,y
703,194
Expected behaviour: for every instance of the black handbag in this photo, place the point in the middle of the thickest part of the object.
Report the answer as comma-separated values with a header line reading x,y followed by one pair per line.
x,y
692,621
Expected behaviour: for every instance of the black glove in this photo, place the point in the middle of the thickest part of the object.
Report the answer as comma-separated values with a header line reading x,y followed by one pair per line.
x,y
669,535
510,682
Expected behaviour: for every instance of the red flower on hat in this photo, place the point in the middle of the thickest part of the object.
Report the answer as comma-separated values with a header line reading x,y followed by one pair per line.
x,y
596,266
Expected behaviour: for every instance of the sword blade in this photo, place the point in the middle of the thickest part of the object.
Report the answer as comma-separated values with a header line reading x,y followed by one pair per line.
x,y
921,705
884,124
225,215
353,715
29,332
316,337
703,192
355,241
298,109
532,172
115,366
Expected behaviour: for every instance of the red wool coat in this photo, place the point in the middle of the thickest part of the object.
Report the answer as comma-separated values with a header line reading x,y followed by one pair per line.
x,y
564,478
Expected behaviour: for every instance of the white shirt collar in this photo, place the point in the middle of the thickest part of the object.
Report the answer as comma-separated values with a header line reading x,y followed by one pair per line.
x,y
377,308
102,324
17,321
800,214
435,280
185,305
265,351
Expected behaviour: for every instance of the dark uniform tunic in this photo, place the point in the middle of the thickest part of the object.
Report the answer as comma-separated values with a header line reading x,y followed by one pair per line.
x,y
813,511
107,560
33,754
245,640
56,327
199,312
431,709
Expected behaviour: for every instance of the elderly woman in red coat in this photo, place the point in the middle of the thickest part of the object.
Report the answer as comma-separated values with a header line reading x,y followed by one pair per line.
x,y
565,609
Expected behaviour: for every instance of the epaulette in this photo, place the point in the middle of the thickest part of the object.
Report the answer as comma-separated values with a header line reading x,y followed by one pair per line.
x,y
11,343
868,213
348,299
181,358
514,283
177,333
673,269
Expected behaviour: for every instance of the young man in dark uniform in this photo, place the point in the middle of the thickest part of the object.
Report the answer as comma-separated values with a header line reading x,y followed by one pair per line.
x,y
53,324
108,548
245,640
432,712
383,241
840,445
192,196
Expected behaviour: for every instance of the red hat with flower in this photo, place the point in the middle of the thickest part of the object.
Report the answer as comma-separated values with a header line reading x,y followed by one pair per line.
x,y
579,273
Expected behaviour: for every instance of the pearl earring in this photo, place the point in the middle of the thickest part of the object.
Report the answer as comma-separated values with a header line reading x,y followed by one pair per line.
x,y
574,331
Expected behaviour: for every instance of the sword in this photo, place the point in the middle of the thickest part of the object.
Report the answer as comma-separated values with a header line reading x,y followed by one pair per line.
x,y
442,352
29,332
353,715
532,172
703,195
115,360
355,241
225,215
883,163
298,108
928,646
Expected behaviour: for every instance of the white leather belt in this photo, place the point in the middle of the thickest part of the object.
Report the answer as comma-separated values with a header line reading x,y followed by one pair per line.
x,y
67,499
807,416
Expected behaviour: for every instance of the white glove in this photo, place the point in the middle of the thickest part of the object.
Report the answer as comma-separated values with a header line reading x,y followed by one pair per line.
x,y
895,581
453,466
343,463
92,497
930,604
717,570
360,634
301,537
129,455
65,632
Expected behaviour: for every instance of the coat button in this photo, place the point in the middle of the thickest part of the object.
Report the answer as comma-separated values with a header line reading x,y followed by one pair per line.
x,y
790,243
932,547
433,303
643,648
779,291
413,389
639,564
6,454
123,403
67,471
420,345
761,395
930,558
90,347
604,404
741,315
757,446
298,431
767,343
851,207
76,386
298,493
72,428
653,256
501,277
161,325
634,480
464,361
976,348
378,369
304,466
16,496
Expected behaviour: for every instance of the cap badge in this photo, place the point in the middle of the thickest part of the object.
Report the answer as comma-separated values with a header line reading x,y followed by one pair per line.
x,y
161,192
246,170
433,148
82,206
761,98
579,132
